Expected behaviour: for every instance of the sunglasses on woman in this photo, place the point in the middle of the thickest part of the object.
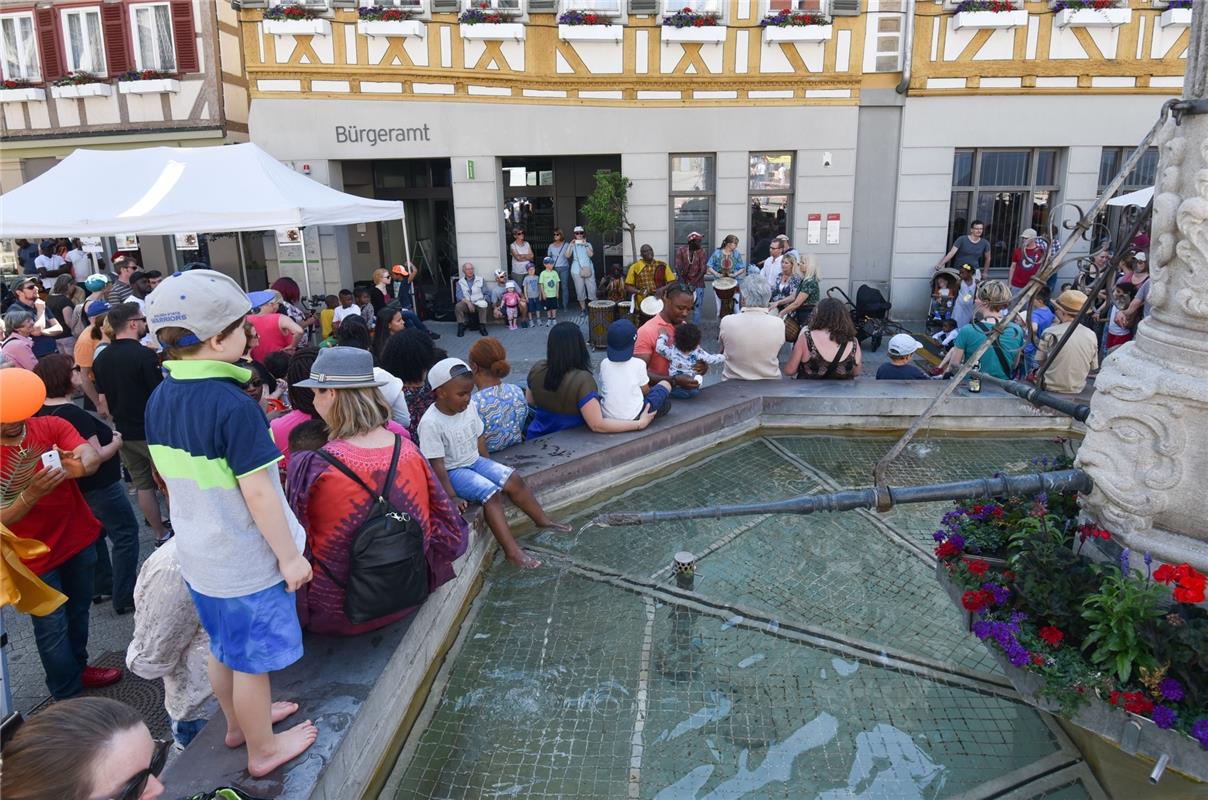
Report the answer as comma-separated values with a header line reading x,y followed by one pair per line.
x,y
135,786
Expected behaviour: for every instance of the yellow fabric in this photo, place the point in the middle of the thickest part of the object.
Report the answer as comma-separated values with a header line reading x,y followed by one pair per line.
x,y
645,279
19,587
326,316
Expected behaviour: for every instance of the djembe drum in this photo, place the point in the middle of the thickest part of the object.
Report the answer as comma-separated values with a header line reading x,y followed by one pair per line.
x,y
725,289
600,314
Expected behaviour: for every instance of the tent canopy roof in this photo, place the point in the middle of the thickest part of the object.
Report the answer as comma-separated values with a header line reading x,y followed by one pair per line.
x,y
167,190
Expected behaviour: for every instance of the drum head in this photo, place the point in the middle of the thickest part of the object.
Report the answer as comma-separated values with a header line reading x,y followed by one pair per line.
x,y
725,283
601,304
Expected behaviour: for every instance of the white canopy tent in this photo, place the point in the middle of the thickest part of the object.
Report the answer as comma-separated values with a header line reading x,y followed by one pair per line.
x,y
1138,198
168,190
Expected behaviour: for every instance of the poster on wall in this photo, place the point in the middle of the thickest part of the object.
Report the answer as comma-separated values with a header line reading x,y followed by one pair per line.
x,y
186,241
813,229
126,241
289,236
832,228
91,244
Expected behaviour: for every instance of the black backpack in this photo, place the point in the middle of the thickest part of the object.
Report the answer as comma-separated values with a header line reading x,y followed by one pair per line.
x,y
387,570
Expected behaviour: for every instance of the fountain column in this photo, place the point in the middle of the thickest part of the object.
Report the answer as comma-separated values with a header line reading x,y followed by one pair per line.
x,y
1147,442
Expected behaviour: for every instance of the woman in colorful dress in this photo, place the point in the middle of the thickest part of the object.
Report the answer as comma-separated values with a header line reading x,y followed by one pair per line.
x,y
502,406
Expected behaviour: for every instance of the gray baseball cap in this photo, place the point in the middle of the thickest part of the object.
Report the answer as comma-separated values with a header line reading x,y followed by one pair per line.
x,y
202,301
341,368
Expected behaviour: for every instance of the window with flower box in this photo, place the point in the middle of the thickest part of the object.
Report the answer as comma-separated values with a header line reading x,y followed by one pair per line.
x,y
711,7
808,6
83,41
603,8
413,7
508,8
154,45
20,48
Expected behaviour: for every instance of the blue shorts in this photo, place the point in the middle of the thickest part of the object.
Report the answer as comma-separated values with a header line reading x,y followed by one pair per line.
x,y
534,306
256,633
656,397
479,481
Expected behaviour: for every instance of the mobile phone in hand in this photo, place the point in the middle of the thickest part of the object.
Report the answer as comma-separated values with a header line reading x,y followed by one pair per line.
x,y
51,460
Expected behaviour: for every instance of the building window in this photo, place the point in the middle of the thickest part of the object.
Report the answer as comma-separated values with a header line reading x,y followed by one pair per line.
x,y
153,41
82,39
1115,221
607,8
20,48
509,7
1008,190
776,6
770,195
693,182
698,6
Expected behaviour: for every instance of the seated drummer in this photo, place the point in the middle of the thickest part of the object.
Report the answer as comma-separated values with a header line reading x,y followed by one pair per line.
x,y
612,286
647,276
678,301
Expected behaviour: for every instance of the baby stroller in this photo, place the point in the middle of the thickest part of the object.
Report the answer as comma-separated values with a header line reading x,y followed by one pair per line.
x,y
870,314
941,305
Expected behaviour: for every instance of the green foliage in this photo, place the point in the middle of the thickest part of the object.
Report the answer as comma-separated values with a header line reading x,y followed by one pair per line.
x,y
606,209
1180,639
1117,613
1068,680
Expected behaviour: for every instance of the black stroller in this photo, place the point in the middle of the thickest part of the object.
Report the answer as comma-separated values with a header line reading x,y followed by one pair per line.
x,y
870,314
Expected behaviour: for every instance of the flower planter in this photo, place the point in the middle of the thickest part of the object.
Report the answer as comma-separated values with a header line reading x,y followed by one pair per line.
x,y
29,94
390,27
705,33
1175,16
82,90
297,27
1093,18
591,33
954,593
990,19
493,31
798,33
154,86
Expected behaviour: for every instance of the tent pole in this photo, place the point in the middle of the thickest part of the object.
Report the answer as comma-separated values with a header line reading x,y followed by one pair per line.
x,y
242,260
305,266
407,257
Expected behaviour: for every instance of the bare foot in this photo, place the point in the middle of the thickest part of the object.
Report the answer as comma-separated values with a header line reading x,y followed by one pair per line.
x,y
279,711
286,747
524,561
560,527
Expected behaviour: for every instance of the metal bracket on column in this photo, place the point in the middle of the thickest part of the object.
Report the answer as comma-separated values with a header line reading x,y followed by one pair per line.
x,y
1182,108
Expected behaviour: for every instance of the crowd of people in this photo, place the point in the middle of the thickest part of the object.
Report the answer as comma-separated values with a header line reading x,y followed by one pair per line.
x,y
258,461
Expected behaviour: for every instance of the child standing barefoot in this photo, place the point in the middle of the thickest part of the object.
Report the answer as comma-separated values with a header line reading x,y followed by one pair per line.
x,y
451,438
239,544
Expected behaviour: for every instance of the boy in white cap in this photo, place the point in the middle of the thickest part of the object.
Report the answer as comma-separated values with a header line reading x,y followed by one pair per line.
x,y
240,546
451,438
901,348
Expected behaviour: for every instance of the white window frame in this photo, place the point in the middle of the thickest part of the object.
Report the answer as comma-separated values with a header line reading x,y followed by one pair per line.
x,y
508,8
823,7
21,56
715,8
103,69
590,6
414,6
134,36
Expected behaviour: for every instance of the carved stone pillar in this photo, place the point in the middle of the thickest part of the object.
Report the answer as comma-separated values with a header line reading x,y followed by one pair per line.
x,y
1147,443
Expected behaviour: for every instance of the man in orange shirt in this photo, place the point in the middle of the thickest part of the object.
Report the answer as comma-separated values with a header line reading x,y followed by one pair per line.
x,y
678,301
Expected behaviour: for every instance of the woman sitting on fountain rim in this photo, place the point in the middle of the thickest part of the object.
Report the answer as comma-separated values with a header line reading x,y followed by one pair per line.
x,y
993,297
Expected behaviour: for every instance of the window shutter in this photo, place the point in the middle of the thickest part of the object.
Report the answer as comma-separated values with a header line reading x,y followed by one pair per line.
x,y
184,37
845,8
117,51
49,47
542,6
445,6
643,6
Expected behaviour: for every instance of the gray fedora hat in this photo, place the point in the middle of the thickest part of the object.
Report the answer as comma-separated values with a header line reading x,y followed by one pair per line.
x,y
341,368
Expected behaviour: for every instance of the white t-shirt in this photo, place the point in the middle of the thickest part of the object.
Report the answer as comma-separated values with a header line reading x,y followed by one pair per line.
x,y
341,313
49,263
81,264
771,270
621,385
453,438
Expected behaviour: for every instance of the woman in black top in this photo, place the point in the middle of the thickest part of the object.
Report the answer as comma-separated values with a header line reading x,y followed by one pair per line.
x,y
61,303
102,490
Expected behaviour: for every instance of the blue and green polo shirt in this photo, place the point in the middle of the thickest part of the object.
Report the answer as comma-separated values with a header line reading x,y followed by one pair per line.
x,y
205,434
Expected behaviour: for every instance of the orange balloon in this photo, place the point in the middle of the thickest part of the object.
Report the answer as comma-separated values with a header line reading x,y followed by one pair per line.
x,y
22,393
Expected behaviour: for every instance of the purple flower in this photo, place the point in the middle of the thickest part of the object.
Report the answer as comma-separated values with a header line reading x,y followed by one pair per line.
x,y
1001,593
1200,731
1124,562
958,541
1171,689
938,536
1017,617
982,629
1164,717
1017,655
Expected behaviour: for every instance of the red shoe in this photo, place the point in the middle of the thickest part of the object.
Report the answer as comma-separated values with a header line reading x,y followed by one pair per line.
x,y
96,677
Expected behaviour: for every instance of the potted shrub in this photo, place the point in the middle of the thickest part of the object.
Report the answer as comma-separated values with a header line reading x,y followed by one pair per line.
x,y
1177,12
586,26
1110,646
796,26
1091,14
687,25
382,21
19,91
988,14
147,81
484,22
81,84
293,20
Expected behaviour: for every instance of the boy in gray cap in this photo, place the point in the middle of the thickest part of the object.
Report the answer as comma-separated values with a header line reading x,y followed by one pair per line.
x,y
239,543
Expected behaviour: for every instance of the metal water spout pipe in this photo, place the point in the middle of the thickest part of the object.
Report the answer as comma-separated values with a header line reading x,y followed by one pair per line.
x,y
1038,397
1159,768
1068,480
907,48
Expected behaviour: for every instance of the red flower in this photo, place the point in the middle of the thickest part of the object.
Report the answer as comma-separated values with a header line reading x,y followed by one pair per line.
x,y
947,550
1008,576
1115,698
1189,594
1165,574
1038,659
1137,703
977,599
1052,635
1190,583
977,567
